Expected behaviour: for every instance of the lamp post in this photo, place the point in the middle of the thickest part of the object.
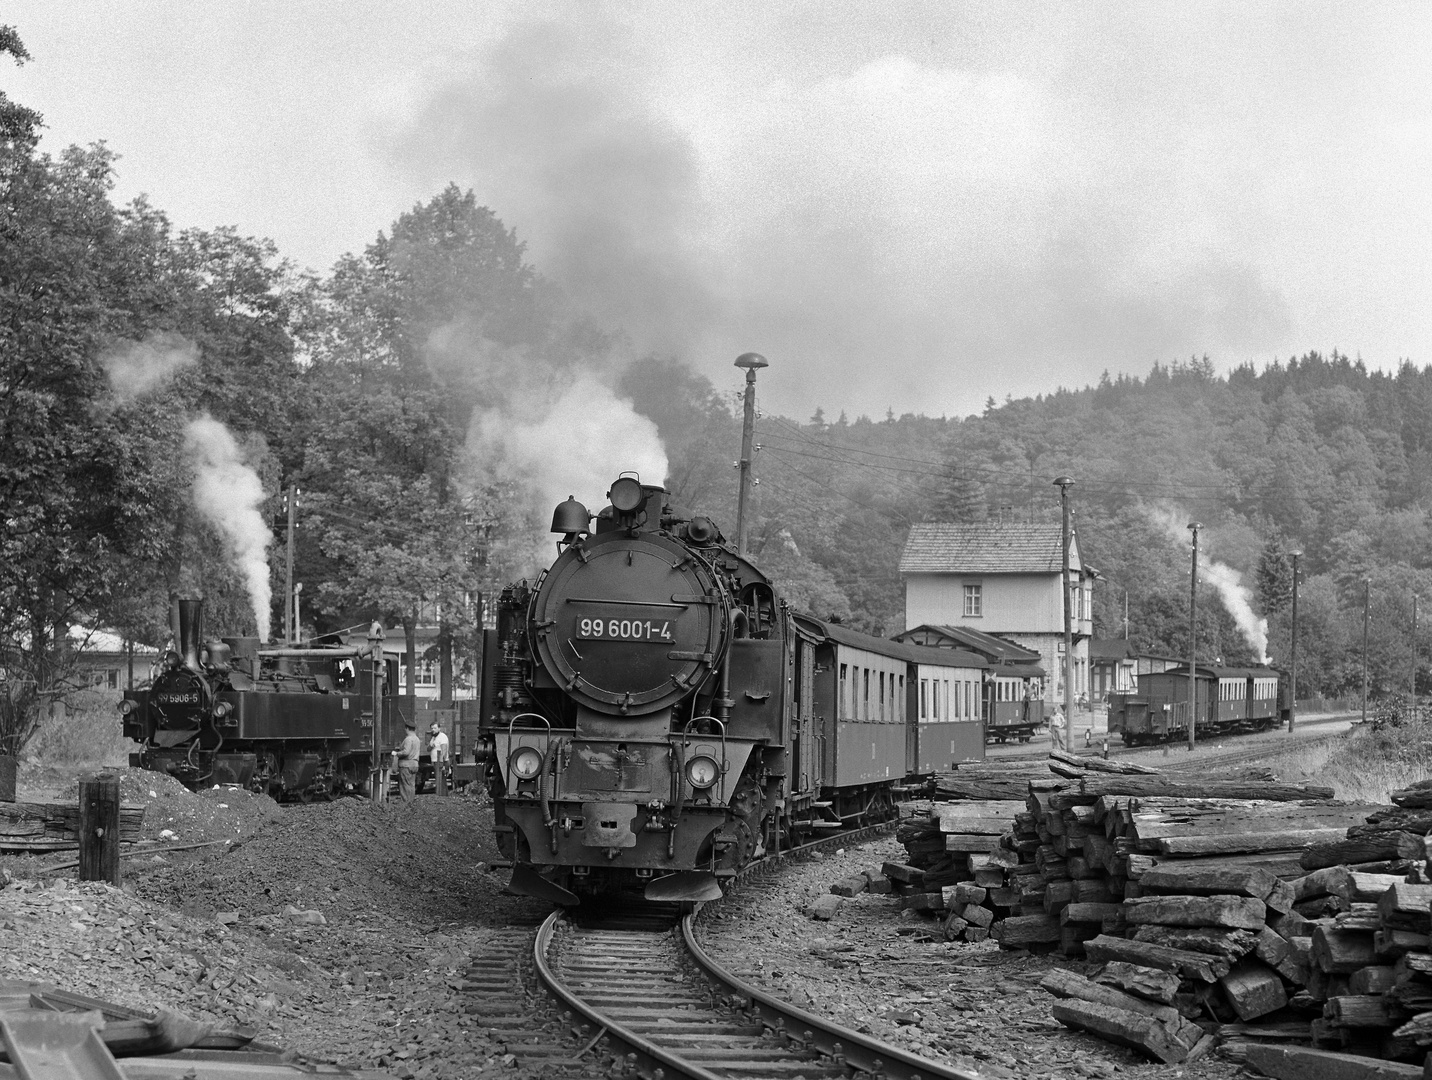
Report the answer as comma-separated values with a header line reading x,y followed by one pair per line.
x,y
1193,526
1064,483
1293,676
751,362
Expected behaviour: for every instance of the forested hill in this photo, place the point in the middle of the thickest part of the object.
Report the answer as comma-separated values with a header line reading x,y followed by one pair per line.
x,y
1316,454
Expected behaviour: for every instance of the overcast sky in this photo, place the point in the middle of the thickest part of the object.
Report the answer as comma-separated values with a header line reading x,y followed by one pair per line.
x,y
902,205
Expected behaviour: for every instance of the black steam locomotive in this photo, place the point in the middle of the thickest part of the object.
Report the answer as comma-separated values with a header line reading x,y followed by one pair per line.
x,y
655,715
295,723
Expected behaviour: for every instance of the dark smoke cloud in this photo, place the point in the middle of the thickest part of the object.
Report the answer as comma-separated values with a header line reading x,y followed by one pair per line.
x,y
553,130
903,232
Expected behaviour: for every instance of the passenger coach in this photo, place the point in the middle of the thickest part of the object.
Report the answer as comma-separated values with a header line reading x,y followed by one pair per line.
x,y
1227,700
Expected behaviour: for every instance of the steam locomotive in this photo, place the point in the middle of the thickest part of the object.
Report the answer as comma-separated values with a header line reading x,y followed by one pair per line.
x,y
295,723
655,715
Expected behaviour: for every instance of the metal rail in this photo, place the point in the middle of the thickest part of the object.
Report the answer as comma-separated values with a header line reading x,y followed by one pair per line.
x,y
666,1024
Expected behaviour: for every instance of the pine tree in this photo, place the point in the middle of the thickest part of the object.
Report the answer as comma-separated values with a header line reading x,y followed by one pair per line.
x,y
1275,577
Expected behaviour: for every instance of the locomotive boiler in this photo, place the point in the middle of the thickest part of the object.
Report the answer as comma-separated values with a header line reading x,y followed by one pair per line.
x,y
294,722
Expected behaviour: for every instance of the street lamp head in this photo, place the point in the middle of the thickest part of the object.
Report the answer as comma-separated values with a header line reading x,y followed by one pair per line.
x,y
751,360
1294,554
1195,526
1063,481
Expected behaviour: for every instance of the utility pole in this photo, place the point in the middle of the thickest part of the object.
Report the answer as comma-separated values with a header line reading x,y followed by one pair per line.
x,y
1366,605
1194,526
288,573
1064,483
1126,614
1293,677
1414,653
751,362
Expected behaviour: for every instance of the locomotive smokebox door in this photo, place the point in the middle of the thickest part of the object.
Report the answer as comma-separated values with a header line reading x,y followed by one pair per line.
x,y
629,626
608,825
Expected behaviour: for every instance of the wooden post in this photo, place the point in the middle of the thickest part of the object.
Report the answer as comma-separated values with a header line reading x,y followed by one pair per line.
x,y
99,828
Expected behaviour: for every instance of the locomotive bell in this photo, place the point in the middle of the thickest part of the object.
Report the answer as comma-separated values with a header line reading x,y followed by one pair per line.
x,y
570,517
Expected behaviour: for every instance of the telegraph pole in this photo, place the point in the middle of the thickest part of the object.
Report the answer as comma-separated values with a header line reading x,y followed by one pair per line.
x,y
1414,652
1194,526
1064,483
751,362
288,573
1293,677
1366,604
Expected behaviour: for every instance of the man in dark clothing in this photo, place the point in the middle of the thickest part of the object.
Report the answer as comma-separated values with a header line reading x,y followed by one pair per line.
x,y
408,755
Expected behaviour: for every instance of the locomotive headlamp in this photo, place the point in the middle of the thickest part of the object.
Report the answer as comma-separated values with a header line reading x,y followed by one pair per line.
x,y
626,494
702,772
126,707
222,709
525,763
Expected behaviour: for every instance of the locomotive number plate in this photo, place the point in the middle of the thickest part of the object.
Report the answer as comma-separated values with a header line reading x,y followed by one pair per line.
x,y
623,629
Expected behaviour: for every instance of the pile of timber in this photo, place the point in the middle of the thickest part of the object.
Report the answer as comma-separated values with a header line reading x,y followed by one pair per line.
x,y
955,866
1098,834
32,826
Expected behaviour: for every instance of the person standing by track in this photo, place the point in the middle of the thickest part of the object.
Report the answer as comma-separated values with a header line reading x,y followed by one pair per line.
x,y
439,755
408,755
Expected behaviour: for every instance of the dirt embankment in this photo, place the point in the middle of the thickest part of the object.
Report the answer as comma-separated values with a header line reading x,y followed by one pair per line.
x,y
338,930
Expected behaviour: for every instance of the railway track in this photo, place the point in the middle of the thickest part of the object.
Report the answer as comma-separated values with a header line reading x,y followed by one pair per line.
x,y
637,988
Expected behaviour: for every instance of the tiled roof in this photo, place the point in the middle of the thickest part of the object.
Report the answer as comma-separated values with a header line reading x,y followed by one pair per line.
x,y
997,649
1110,649
933,547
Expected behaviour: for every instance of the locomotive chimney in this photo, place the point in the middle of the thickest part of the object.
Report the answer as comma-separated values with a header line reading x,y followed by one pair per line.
x,y
190,616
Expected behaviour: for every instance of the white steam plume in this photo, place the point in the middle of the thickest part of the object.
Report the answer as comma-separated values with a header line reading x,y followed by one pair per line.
x,y
229,493
1229,583
1236,599
573,442
137,367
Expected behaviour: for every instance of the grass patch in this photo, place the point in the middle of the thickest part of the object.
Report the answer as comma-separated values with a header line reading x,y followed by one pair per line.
x,y
88,732
1366,764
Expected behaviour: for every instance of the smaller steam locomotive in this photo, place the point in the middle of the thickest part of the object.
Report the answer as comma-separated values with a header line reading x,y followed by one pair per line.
x,y
295,723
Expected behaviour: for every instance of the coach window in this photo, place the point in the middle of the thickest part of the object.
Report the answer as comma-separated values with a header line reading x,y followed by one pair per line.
x,y
844,691
900,701
974,601
924,699
864,693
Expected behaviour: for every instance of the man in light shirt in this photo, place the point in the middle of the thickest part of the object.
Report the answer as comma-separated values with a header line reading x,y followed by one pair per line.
x,y
439,755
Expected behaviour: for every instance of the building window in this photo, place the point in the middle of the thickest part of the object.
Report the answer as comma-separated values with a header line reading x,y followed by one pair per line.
x,y
974,601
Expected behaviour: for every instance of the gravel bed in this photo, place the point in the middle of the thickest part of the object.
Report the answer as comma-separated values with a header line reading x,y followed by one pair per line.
x,y
337,930
888,973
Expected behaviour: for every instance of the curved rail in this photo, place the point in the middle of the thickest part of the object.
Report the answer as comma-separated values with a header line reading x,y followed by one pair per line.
x,y
851,1048
718,1030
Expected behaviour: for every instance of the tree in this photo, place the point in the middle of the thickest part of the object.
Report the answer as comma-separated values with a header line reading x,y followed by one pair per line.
x,y
76,478
1274,577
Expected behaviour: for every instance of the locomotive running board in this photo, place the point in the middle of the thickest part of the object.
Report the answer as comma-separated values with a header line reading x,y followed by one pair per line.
x,y
528,882
686,887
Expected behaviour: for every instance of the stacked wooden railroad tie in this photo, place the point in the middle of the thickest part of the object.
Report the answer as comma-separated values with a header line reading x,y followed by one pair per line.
x,y
32,826
1099,833
955,865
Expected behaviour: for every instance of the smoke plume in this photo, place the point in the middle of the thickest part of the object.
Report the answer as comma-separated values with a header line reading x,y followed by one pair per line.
x,y
1236,599
137,367
1229,583
228,493
573,440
